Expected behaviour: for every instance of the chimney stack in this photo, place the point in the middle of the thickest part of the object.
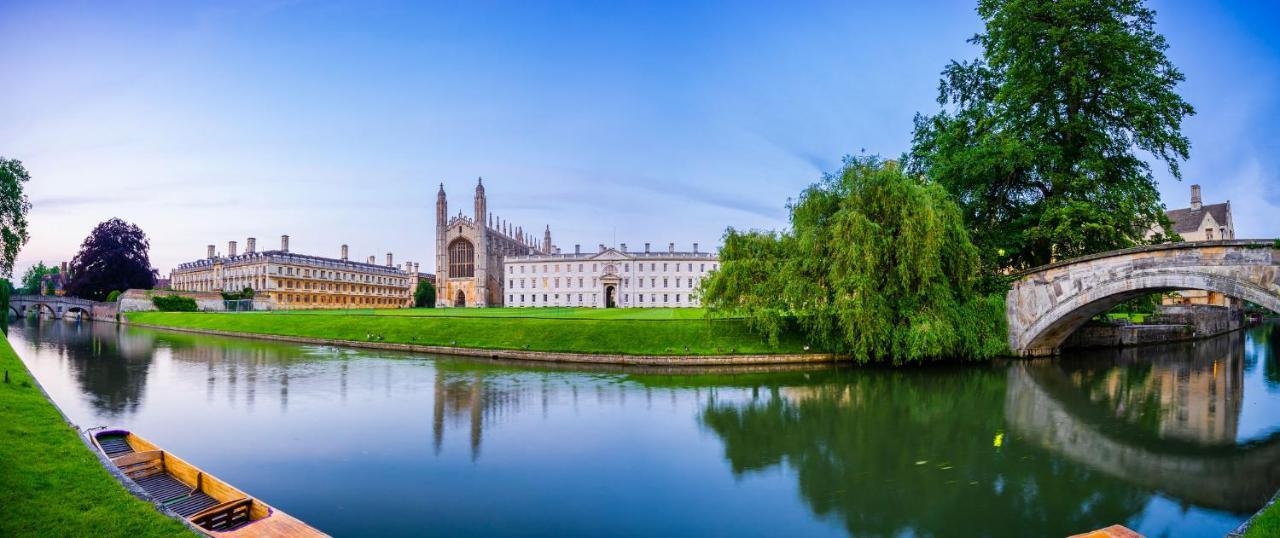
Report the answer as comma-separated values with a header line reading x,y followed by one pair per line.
x,y
1195,198
695,248
231,249
389,264
624,247
64,269
373,260
601,247
251,245
344,253
210,252
284,243
577,248
646,248
671,247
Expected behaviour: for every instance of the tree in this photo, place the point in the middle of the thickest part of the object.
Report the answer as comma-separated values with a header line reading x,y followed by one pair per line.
x,y
876,265
113,257
1038,139
13,212
34,275
424,295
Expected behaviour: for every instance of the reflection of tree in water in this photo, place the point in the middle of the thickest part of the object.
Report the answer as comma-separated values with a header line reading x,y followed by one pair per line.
x,y
1261,350
465,393
110,365
855,439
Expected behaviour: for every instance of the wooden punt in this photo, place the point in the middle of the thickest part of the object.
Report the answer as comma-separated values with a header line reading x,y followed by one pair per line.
x,y
209,504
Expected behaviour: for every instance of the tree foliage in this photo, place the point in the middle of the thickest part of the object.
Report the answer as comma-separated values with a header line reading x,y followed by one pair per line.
x,y
173,303
424,295
877,265
1038,139
13,212
33,276
113,257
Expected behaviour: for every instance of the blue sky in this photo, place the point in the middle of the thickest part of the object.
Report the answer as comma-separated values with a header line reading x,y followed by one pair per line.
x,y
614,122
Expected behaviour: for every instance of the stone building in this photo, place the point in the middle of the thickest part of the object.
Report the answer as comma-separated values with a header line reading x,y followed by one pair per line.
x,y
470,250
609,278
1202,222
289,280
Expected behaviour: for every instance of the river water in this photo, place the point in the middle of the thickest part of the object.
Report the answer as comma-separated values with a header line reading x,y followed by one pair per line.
x,y
1178,440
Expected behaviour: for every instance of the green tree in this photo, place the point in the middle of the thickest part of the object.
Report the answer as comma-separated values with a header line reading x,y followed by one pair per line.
x,y
877,265
13,212
424,295
33,276
1039,139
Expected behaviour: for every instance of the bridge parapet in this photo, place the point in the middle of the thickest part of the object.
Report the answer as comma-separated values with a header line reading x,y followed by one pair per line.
x,y
1046,304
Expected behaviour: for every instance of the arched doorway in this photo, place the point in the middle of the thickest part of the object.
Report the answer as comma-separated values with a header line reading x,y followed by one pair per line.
x,y
460,299
609,300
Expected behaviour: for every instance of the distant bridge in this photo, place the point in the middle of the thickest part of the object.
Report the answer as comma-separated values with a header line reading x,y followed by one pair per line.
x,y
1047,304
53,306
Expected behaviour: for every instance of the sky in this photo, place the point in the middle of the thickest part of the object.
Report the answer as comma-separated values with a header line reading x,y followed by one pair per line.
x,y
612,122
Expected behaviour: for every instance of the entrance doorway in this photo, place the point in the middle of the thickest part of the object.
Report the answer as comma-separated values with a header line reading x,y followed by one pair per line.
x,y
460,300
609,300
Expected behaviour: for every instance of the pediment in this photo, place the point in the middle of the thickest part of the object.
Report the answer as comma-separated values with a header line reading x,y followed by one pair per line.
x,y
611,255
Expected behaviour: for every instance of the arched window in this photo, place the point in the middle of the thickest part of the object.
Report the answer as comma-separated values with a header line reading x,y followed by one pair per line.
x,y
462,259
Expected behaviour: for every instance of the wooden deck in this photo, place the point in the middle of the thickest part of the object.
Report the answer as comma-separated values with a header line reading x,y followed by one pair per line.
x,y
1114,531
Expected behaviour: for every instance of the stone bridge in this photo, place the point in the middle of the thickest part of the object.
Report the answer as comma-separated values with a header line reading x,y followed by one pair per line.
x,y
60,307
1047,304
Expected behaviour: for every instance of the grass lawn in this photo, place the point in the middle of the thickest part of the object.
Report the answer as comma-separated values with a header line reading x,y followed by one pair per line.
x,y
581,330
50,483
1131,316
1267,524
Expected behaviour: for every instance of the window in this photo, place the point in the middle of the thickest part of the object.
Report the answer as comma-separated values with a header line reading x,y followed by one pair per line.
x,y
664,297
1208,234
461,259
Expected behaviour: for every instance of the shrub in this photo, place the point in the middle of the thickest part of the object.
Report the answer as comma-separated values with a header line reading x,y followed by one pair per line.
x,y
174,303
113,296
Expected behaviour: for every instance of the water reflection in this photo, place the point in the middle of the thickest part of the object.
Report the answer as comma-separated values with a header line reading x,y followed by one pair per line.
x,y
491,447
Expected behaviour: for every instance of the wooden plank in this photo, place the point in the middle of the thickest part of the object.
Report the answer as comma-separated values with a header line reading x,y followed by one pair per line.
x,y
137,457
1114,531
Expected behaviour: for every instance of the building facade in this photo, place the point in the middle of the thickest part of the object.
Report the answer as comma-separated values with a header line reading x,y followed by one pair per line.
x,y
1202,222
289,281
470,250
609,278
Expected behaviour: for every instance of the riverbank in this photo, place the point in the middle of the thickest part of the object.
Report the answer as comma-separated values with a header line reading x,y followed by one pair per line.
x,y
656,337
51,484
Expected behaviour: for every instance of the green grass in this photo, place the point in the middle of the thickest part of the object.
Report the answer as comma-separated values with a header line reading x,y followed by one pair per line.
x,y
1131,316
50,483
1267,524
576,330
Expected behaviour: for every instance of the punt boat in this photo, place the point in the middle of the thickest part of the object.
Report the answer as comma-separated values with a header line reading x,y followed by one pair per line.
x,y
209,504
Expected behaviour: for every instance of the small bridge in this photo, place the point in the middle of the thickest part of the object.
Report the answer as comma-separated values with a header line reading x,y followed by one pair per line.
x,y
1047,304
53,306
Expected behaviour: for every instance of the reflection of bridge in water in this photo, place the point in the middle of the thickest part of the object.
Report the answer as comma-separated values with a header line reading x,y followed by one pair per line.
x,y
1170,427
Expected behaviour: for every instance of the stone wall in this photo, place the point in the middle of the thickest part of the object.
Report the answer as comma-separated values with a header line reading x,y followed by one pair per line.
x,y
1207,320
1121,334
140,300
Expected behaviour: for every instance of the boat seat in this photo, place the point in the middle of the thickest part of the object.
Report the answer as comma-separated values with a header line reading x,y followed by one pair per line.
x,y
227,516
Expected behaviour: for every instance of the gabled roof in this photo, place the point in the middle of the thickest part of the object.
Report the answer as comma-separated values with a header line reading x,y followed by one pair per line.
x,y
1188,220
611,254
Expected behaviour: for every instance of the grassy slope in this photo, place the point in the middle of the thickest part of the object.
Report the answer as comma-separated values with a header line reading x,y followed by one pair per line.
x,y
50,483
1267,524
629,332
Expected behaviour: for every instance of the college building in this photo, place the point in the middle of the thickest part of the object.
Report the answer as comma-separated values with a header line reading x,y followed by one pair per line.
x,y
288,280
1202,222
482,260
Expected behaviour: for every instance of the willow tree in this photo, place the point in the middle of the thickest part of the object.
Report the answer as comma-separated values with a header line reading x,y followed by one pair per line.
x,y
876,264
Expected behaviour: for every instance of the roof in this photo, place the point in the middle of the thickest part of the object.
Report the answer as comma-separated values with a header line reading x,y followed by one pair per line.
x,y
1187,220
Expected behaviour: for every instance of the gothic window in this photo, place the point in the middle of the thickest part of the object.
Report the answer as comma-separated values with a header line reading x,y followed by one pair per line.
x,y
462,258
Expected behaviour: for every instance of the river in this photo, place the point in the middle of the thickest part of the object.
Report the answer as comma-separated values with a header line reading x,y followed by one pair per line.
x,y
1176,440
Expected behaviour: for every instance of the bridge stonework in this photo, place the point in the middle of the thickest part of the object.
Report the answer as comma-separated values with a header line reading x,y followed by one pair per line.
x,y
61,306
1047,304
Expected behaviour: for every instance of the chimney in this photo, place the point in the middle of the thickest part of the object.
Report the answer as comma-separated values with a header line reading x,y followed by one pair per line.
x,y
624,247
284,243
64,269
344,253
601,247
577,248
671,247
251,245
210,252
389,264
373,260
231,249
646,248
1195,198
695,248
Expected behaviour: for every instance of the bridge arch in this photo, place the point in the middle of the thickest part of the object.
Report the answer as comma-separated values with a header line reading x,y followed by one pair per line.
x,y
1047,305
